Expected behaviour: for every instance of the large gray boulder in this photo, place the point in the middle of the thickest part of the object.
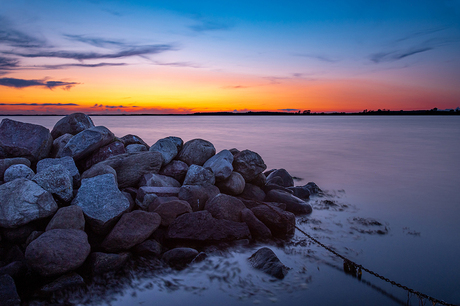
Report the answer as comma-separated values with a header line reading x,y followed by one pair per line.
x,y
221,165
135,147
57,180
58,251
197,175
197,195
233,185
23,201
281,223
8,294
176,169
66,161
7,162
72,124
99,169
133,139
18,171
167,148
70,217
59,145
196,151
293,203
104,152
131,167
133,228
202,227
102,202
87,141
223,206
267,261
177,141
169,211
280,177
249,164
18,139
158,180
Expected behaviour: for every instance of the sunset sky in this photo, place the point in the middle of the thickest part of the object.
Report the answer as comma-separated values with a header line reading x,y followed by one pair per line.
x,y
97,56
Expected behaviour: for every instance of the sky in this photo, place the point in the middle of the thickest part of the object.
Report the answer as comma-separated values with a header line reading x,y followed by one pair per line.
x,y
164,57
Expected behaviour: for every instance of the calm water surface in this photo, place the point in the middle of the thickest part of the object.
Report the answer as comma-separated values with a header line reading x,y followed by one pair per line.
x,y
402,171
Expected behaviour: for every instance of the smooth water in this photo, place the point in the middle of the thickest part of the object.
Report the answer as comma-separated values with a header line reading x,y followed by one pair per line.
x,y
402,171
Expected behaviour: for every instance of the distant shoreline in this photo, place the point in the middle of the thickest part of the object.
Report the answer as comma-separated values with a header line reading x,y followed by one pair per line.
x,y
432,112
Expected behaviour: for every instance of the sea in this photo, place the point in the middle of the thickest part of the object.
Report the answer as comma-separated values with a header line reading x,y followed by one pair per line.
x,y
391,202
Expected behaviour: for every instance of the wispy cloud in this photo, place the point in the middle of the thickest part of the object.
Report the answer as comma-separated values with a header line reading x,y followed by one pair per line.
x,y
205,25
15,38
8,63
39,104
134,51
320,57
178,64
63,66
96,41
289,109
397,55
236,87
22,83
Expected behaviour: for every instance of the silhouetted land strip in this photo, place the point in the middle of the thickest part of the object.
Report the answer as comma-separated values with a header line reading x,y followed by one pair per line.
x,y
431,112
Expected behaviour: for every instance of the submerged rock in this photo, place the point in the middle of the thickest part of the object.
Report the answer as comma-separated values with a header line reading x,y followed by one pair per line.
x,y
265,259
105,262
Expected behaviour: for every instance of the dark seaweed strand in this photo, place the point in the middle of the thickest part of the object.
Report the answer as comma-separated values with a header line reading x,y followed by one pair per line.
x,y
360,267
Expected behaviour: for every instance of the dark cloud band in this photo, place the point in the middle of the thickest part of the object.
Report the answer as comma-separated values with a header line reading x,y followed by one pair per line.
x,y
23,83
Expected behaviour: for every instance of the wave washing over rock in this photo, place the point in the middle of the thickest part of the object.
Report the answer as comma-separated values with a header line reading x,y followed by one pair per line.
x,y
79,202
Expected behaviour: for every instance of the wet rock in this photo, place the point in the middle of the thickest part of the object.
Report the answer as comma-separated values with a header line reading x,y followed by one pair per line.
x,y
148,248
101,201
18,139
87,141
176,169
313,188
131,167
249,164
220,164
202,227
226,207
301,192
18,171
197,175
7,162
72,124
179,257
281,223
70,217
170,210
197,195
59,145
104,152
66,161
133,139
58,251
265,260
70,280
18,235
24,201
133,228
8,294
259,181
233,185
167,148
252,192
196,151
280,177
99,169
57,180
105,262
158,180
269,187
293,203
258,228
134,148
16,269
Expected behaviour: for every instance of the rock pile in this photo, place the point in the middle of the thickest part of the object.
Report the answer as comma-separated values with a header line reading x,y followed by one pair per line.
x,y
79,198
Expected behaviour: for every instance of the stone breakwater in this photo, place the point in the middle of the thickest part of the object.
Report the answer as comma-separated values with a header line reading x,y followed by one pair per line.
x,y
80,199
